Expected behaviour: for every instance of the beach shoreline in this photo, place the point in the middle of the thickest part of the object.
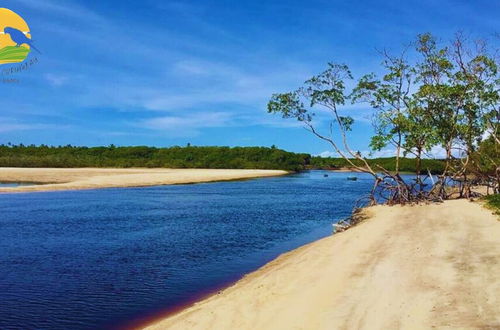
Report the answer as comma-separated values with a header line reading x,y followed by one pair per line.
x,y
59,179
404,267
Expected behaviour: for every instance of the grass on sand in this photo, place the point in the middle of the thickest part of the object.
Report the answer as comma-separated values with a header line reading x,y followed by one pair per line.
x,y
493,203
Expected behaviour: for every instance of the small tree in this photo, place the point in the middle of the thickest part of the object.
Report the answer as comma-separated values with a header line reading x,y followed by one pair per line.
x,y
449,98
390,98
327,91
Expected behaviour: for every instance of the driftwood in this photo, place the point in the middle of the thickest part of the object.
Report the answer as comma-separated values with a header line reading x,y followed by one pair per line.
x,y
392,189
356,217
337,227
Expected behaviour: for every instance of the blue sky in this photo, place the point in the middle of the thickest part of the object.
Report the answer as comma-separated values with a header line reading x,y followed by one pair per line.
x,y
165,73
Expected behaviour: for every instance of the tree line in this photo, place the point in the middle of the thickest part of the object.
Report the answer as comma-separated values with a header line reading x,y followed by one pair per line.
x,y
431,94
187,157
403,165
143,156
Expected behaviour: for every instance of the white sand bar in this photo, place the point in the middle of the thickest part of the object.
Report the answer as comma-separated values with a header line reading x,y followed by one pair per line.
x,y
93,178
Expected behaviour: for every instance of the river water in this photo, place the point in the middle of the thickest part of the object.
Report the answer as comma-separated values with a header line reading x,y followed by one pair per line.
x,y
109,258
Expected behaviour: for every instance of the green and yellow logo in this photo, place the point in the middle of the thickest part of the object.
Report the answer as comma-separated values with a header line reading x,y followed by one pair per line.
x,y
15,37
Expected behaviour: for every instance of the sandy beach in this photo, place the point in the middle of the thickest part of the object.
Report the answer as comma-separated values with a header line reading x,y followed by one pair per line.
x,y
411,267
93,178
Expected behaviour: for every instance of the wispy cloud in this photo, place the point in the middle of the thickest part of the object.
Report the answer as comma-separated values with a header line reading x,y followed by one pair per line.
x,y
8,125
199,84
187,125
67,9
327,154
436,152
55,80
191,67
191,123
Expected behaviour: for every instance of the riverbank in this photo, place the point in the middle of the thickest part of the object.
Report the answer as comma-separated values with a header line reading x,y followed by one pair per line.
x,y
411,267
50,179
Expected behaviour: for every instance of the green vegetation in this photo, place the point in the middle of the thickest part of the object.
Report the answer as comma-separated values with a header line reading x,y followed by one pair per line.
x,y
186,157
14,54
174,157
493,202
487,157
435,166
430,95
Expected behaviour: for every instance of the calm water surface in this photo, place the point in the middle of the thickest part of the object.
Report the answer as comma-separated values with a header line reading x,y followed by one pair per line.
x,y
103,259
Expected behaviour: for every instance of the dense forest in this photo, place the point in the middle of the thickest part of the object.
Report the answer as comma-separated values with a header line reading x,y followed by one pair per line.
x,y
184,157
143,156
434,166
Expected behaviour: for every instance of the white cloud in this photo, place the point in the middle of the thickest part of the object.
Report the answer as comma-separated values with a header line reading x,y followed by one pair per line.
x,y
55,80
7,125
326,154
271,121
368,154
189,67
188,125
194,75
486,134
195,120
384,153
69,9
191,124
206,68
438,152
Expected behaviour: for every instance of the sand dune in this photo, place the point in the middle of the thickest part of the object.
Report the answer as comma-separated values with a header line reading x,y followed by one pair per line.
x,y
406,267
92,178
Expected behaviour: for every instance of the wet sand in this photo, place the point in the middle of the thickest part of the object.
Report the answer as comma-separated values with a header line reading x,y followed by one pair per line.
x,y
93,178
411,267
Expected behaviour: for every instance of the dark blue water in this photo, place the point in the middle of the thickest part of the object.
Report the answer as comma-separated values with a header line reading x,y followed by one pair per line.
x,y
105,258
